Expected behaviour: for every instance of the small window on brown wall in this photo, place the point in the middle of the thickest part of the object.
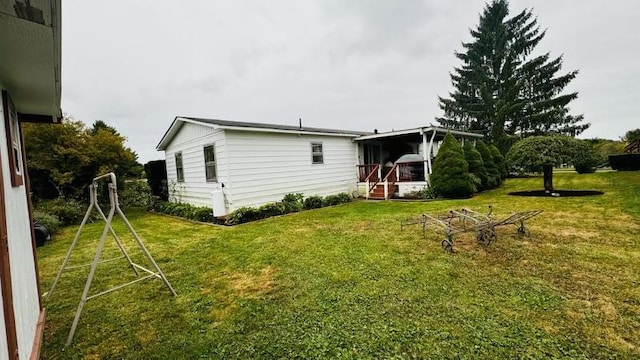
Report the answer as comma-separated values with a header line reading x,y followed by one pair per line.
x,y
12,130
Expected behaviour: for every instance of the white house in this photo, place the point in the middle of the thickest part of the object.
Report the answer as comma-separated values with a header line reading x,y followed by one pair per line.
x,y
227,164
249,164
30,86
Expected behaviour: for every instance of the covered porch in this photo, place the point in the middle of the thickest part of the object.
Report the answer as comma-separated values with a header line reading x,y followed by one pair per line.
x,y
397,163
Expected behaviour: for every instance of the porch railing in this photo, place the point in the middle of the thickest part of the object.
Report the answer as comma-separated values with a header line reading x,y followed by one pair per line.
x,y
365,170
413,171
390,181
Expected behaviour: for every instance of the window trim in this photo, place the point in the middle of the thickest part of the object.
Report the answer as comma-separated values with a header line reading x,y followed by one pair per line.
x,y
179,172
214,163
14,143
313,154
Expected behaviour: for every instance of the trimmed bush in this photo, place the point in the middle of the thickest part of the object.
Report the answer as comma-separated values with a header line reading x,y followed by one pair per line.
x,y
243,215
271,209
136,194
341,198
450,177
625,162
493,173
187,211
498,158
313,202
51,222
476,166
293,202
68,211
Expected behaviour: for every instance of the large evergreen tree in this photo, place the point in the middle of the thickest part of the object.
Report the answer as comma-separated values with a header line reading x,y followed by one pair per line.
x,y
450,177
501,89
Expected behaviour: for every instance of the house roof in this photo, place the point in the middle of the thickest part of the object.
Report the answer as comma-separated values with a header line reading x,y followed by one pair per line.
x,y
430,130
179,121
30,64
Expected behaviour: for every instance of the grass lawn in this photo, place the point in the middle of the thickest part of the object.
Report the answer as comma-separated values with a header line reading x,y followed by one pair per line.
x,y
345,282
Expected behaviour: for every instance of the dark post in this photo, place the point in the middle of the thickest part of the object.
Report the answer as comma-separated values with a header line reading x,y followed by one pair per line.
x,y
548,177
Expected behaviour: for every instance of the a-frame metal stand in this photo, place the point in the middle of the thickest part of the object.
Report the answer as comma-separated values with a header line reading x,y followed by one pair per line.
x,y
115,207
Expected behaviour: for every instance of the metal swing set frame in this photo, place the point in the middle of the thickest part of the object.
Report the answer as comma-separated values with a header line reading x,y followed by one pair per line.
x,y
108,228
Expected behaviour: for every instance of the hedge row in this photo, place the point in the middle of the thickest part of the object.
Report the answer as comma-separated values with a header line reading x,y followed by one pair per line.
x,y
187,211
290,203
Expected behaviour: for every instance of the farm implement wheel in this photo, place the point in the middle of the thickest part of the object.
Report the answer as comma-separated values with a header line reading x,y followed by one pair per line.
x,y
447,246
486,236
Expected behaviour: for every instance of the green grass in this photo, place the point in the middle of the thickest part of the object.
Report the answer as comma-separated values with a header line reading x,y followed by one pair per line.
x,y
345,282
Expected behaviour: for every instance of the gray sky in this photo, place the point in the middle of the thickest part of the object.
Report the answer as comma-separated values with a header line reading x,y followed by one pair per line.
x,y
346,64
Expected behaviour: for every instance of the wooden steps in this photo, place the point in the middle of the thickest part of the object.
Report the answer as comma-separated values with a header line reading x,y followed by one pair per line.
x,y
378,192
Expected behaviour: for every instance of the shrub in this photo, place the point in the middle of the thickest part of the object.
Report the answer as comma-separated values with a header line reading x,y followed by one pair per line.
x,y
243,215
271,209
136,194
476,166
586,158
68,211
187,211
313,202
498,158
293,202
51,222
625,162
450,177
156,172
493,173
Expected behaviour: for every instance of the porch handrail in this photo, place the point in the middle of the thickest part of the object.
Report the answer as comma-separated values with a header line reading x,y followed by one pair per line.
x,y
373,179
365,171
427,168
390,180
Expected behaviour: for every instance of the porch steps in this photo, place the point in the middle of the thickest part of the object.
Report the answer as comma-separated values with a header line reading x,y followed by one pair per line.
x,y
378,192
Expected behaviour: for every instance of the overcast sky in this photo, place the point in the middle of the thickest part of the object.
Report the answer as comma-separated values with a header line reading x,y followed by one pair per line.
x,y
346,64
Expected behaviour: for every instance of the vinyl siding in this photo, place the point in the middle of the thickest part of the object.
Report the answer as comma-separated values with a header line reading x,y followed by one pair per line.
x,y
23,275
263,167
191,140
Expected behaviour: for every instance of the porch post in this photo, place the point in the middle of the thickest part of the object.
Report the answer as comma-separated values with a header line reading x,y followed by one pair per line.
x,y
424,154
433,136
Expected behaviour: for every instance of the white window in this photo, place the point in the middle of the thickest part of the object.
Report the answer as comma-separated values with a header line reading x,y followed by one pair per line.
x,y
12,129
316,153
210,163
179,168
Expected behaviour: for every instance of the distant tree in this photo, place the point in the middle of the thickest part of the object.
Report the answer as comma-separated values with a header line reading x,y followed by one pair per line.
x,y
450,177
586,158
632,135
476,165
62,159
498,158
501,89
493,173
542,153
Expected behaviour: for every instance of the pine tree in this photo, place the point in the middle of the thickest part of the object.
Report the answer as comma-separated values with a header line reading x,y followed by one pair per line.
x,y
450,177
476,165
492,170
498,158
501,90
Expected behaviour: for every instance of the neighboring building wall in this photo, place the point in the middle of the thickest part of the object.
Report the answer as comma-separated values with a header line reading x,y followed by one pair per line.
x,y
191,140
23,276
263,167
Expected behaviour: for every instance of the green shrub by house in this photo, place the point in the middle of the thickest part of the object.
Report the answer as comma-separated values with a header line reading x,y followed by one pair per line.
x,y
450,177
492,170
476,165
498,158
